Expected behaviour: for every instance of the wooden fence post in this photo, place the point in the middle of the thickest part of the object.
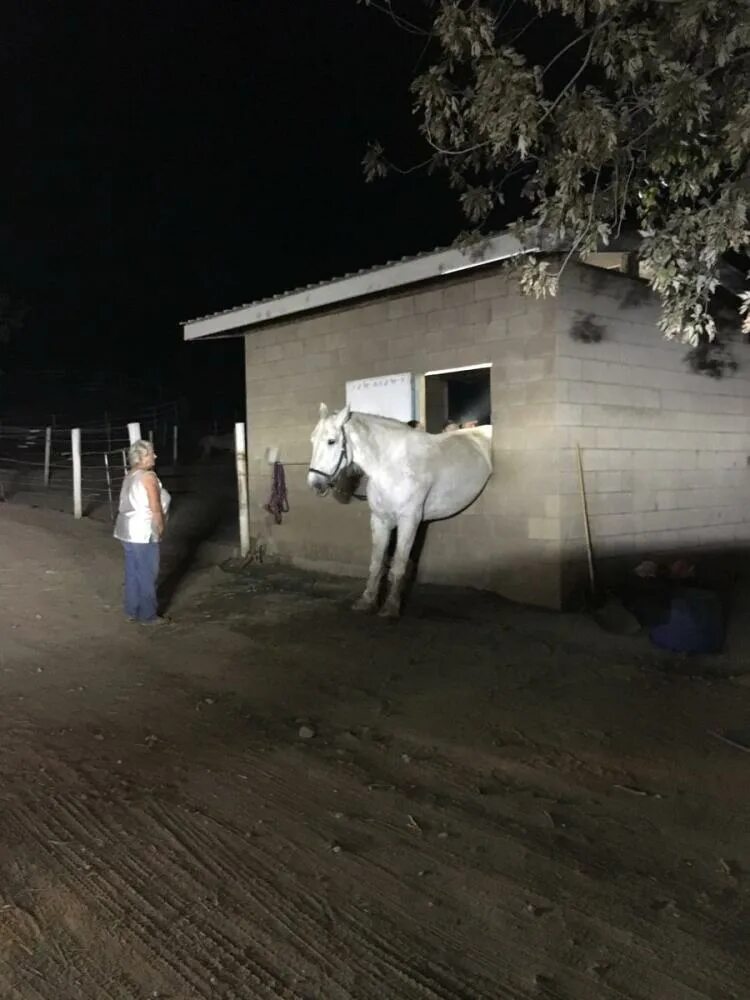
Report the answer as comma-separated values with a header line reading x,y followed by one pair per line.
x,y
75,447
242,496
47,453
175,434
109,486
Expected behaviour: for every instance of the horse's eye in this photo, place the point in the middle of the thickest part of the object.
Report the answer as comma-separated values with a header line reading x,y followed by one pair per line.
x,y
332,441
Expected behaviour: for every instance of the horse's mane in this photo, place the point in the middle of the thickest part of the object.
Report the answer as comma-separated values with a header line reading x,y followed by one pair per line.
x,y
370,418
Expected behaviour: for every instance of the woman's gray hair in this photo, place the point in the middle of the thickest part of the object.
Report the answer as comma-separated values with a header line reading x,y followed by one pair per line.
x,y
138,451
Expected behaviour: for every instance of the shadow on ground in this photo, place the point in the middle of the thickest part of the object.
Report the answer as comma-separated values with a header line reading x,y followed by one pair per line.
x,y
204,511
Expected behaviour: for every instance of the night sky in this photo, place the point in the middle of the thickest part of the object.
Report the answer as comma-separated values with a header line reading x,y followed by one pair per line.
x,y
160,164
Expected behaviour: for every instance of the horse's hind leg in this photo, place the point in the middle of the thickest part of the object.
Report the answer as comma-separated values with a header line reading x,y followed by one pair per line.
x,y
412,566
406,533
381,533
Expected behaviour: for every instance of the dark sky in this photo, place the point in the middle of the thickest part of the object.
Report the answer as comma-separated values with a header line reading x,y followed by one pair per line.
x,y
162,163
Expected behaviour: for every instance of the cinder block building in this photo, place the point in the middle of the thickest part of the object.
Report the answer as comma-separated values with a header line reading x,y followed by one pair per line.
x,y
444,336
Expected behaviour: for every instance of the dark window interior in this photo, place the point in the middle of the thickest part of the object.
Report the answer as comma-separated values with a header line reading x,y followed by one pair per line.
x,y
459,397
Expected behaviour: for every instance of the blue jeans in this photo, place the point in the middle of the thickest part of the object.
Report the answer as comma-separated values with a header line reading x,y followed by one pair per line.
x,y
141,571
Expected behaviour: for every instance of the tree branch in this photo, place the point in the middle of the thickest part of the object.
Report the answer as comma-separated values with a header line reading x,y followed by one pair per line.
x,y
454,152
582,236
572,80
579,38
387,8
623,209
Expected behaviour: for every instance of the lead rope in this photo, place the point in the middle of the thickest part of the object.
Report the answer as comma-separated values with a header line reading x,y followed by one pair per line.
x,y
278,502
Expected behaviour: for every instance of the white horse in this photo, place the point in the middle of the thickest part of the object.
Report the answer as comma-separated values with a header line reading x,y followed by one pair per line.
x,y
216,442
413,477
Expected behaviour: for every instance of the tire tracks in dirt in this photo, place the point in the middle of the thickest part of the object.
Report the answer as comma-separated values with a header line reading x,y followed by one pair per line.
x,y
626,927
133,890
146,866
384,885
582,867
375,957
138,875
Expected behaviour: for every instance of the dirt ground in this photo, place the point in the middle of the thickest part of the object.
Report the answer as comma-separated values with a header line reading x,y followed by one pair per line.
x,y
493,803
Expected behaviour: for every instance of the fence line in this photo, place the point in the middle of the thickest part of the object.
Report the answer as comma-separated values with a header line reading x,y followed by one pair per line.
x,y
157,413
88,463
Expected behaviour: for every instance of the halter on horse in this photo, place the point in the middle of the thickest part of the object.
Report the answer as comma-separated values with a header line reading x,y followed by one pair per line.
x,y
343,462
340,465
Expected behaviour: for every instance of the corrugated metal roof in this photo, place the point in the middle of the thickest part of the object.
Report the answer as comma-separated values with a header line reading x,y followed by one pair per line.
x,y
367,281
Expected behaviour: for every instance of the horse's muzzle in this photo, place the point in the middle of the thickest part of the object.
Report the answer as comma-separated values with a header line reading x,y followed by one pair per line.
x,y
318,483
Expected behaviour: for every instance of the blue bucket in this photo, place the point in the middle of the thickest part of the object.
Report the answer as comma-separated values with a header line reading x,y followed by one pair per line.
x,y
695,623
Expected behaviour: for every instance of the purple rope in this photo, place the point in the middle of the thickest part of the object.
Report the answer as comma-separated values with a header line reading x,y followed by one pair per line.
x,y
278,502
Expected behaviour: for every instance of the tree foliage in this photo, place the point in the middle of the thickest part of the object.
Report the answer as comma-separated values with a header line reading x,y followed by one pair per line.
x,y
637,119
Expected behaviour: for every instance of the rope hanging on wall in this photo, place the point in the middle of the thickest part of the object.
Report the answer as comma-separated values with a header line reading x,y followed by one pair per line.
x,y
278,502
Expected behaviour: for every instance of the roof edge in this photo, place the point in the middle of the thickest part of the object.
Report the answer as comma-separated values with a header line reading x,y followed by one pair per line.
x,y
400,274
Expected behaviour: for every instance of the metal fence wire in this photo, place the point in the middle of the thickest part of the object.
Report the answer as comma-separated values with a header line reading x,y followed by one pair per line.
x,y
38,461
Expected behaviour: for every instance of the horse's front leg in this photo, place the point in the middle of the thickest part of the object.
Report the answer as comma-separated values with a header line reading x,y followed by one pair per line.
x,y
381,533
406,533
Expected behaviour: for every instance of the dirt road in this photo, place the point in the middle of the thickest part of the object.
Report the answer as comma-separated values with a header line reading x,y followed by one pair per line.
x,y
277,798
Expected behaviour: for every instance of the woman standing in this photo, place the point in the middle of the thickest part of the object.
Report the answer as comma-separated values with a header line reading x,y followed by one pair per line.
x,y
144,504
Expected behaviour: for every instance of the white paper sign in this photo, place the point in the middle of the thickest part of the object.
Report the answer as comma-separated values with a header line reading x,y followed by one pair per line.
x,y
383,396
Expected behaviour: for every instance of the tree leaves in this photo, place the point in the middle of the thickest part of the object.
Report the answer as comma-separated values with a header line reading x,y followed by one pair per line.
x,y
640,120
374,163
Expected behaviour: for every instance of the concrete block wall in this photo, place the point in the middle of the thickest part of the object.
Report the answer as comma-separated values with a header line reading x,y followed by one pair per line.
x,y
509,540
665,451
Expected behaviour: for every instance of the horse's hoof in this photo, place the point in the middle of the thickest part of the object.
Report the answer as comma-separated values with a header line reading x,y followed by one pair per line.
x,y
363,606
389,612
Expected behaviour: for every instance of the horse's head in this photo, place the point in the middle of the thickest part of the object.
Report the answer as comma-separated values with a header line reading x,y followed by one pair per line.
x,y
330,449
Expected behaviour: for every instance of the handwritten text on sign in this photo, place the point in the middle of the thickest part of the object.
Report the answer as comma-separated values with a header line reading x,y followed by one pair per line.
x,y
383,396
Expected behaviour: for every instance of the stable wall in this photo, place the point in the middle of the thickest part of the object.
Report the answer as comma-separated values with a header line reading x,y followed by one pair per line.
x,y
665,451
502,542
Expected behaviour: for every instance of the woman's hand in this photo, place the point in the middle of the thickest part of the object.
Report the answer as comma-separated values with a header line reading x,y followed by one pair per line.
x,y
154,502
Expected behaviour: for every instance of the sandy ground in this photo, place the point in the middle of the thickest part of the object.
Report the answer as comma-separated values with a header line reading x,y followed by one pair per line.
x,y
494,803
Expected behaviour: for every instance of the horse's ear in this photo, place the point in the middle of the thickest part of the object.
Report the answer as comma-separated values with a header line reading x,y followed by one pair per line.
x,y
323,411
343,415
